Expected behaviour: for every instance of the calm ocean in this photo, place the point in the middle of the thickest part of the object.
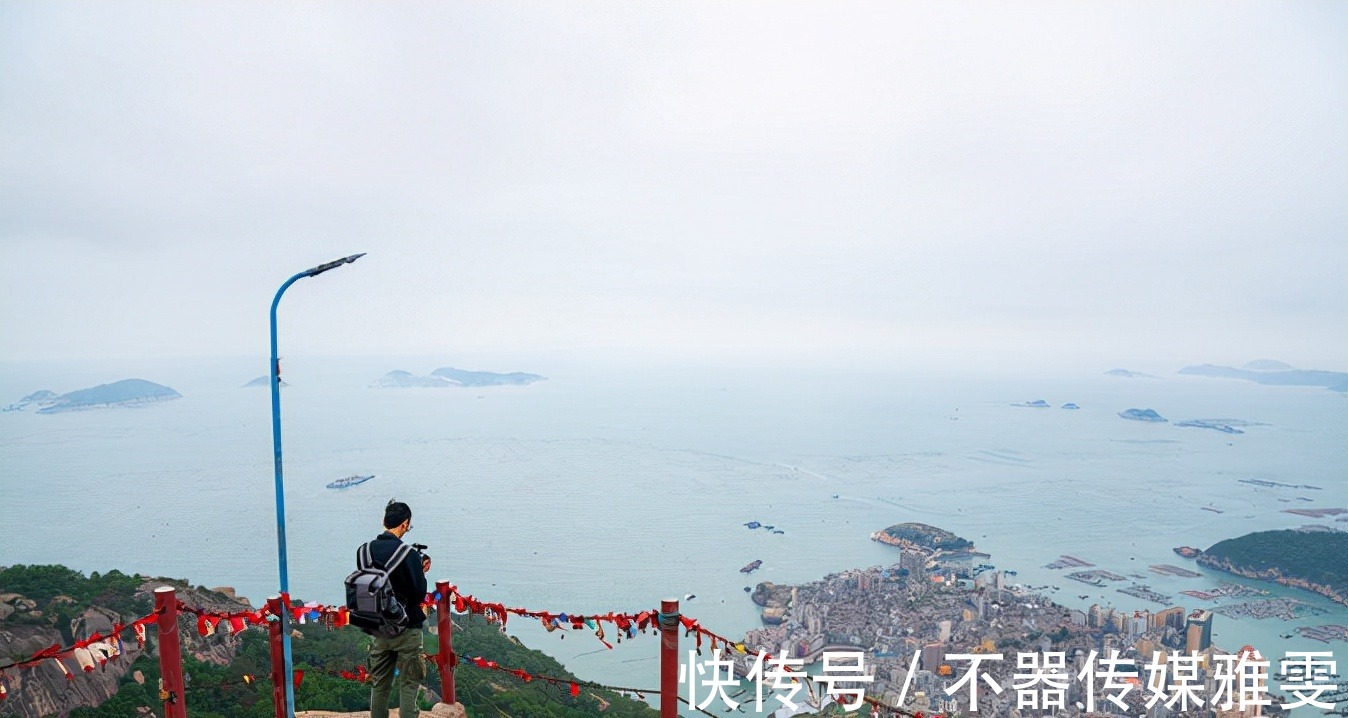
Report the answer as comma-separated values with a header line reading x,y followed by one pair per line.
x,y
608,489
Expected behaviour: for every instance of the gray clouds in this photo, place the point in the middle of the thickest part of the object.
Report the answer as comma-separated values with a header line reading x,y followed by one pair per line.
x,y
688,178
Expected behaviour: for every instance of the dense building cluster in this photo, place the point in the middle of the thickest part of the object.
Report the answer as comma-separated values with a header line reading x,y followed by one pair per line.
x,y
913,616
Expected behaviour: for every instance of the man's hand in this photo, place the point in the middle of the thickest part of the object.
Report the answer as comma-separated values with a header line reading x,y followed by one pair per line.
x,y
425,564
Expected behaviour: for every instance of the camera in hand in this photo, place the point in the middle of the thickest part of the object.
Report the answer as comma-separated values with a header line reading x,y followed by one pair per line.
x,y
421,549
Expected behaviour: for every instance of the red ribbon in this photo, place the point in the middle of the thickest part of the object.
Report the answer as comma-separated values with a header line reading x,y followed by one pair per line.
x,y
359,675
49,652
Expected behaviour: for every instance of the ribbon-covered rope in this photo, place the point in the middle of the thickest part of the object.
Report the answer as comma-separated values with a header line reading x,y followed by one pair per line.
x,y
89,653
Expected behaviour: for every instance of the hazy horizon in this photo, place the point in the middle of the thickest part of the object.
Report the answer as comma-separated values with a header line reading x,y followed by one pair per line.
x,y
1030,184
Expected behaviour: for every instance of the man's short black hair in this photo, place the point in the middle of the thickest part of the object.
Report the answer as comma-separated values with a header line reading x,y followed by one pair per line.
x,y
395,513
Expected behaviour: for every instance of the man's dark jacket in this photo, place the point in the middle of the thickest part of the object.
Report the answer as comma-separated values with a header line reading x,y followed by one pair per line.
x,y
409,581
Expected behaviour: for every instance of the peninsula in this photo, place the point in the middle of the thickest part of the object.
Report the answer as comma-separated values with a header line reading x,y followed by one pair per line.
x,y
1313,560
1274,373
922,536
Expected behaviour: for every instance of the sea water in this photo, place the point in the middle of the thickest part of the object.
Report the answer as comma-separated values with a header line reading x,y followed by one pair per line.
x,y
607,488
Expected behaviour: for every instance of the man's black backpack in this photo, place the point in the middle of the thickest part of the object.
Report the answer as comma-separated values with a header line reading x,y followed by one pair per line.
x,y
374,606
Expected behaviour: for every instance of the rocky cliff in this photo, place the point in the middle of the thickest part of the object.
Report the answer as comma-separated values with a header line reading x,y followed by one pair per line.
x,y
28,626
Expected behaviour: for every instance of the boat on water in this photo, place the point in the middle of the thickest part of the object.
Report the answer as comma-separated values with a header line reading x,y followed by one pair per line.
x,y
350,481
752,566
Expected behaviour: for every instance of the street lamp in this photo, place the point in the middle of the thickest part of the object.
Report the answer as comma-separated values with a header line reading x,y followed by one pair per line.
x,y
280,486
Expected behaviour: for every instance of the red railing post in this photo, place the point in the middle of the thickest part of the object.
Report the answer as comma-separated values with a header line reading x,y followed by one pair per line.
x,y
170,653
278,666
444,632
669,658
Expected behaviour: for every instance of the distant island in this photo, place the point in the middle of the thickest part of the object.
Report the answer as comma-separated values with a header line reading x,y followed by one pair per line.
x,y
922,535
406,379
264,381
1226,426
1314,560
486,378
1041,404
1128,374
1142,415
127,392
1273,373
451,377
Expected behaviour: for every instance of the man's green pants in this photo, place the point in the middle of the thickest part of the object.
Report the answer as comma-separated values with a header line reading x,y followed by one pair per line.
x,y
404,653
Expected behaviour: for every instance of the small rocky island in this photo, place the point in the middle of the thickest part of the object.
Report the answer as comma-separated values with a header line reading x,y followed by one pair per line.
x,y
1036,404
450,377
1149,415
127,392
264,381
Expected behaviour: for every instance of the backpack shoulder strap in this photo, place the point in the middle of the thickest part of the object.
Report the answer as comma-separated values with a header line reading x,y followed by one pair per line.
x,y
397,557
363,558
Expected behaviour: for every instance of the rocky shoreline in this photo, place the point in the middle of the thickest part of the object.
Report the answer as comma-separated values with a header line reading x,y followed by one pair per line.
x,y
1272,574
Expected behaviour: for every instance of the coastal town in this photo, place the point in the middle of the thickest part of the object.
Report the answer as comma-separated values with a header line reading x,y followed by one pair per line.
x,y
938,600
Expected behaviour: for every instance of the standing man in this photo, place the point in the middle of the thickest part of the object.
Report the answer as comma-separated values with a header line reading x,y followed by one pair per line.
x,y
404,650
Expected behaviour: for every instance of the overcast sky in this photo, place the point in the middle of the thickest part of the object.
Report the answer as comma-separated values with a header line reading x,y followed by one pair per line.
x,y
1119,182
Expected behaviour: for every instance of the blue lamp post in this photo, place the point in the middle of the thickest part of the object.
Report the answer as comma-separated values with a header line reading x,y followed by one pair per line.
x,y
280,486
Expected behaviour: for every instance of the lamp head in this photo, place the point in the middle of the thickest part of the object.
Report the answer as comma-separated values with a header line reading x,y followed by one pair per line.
x,y
332,265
